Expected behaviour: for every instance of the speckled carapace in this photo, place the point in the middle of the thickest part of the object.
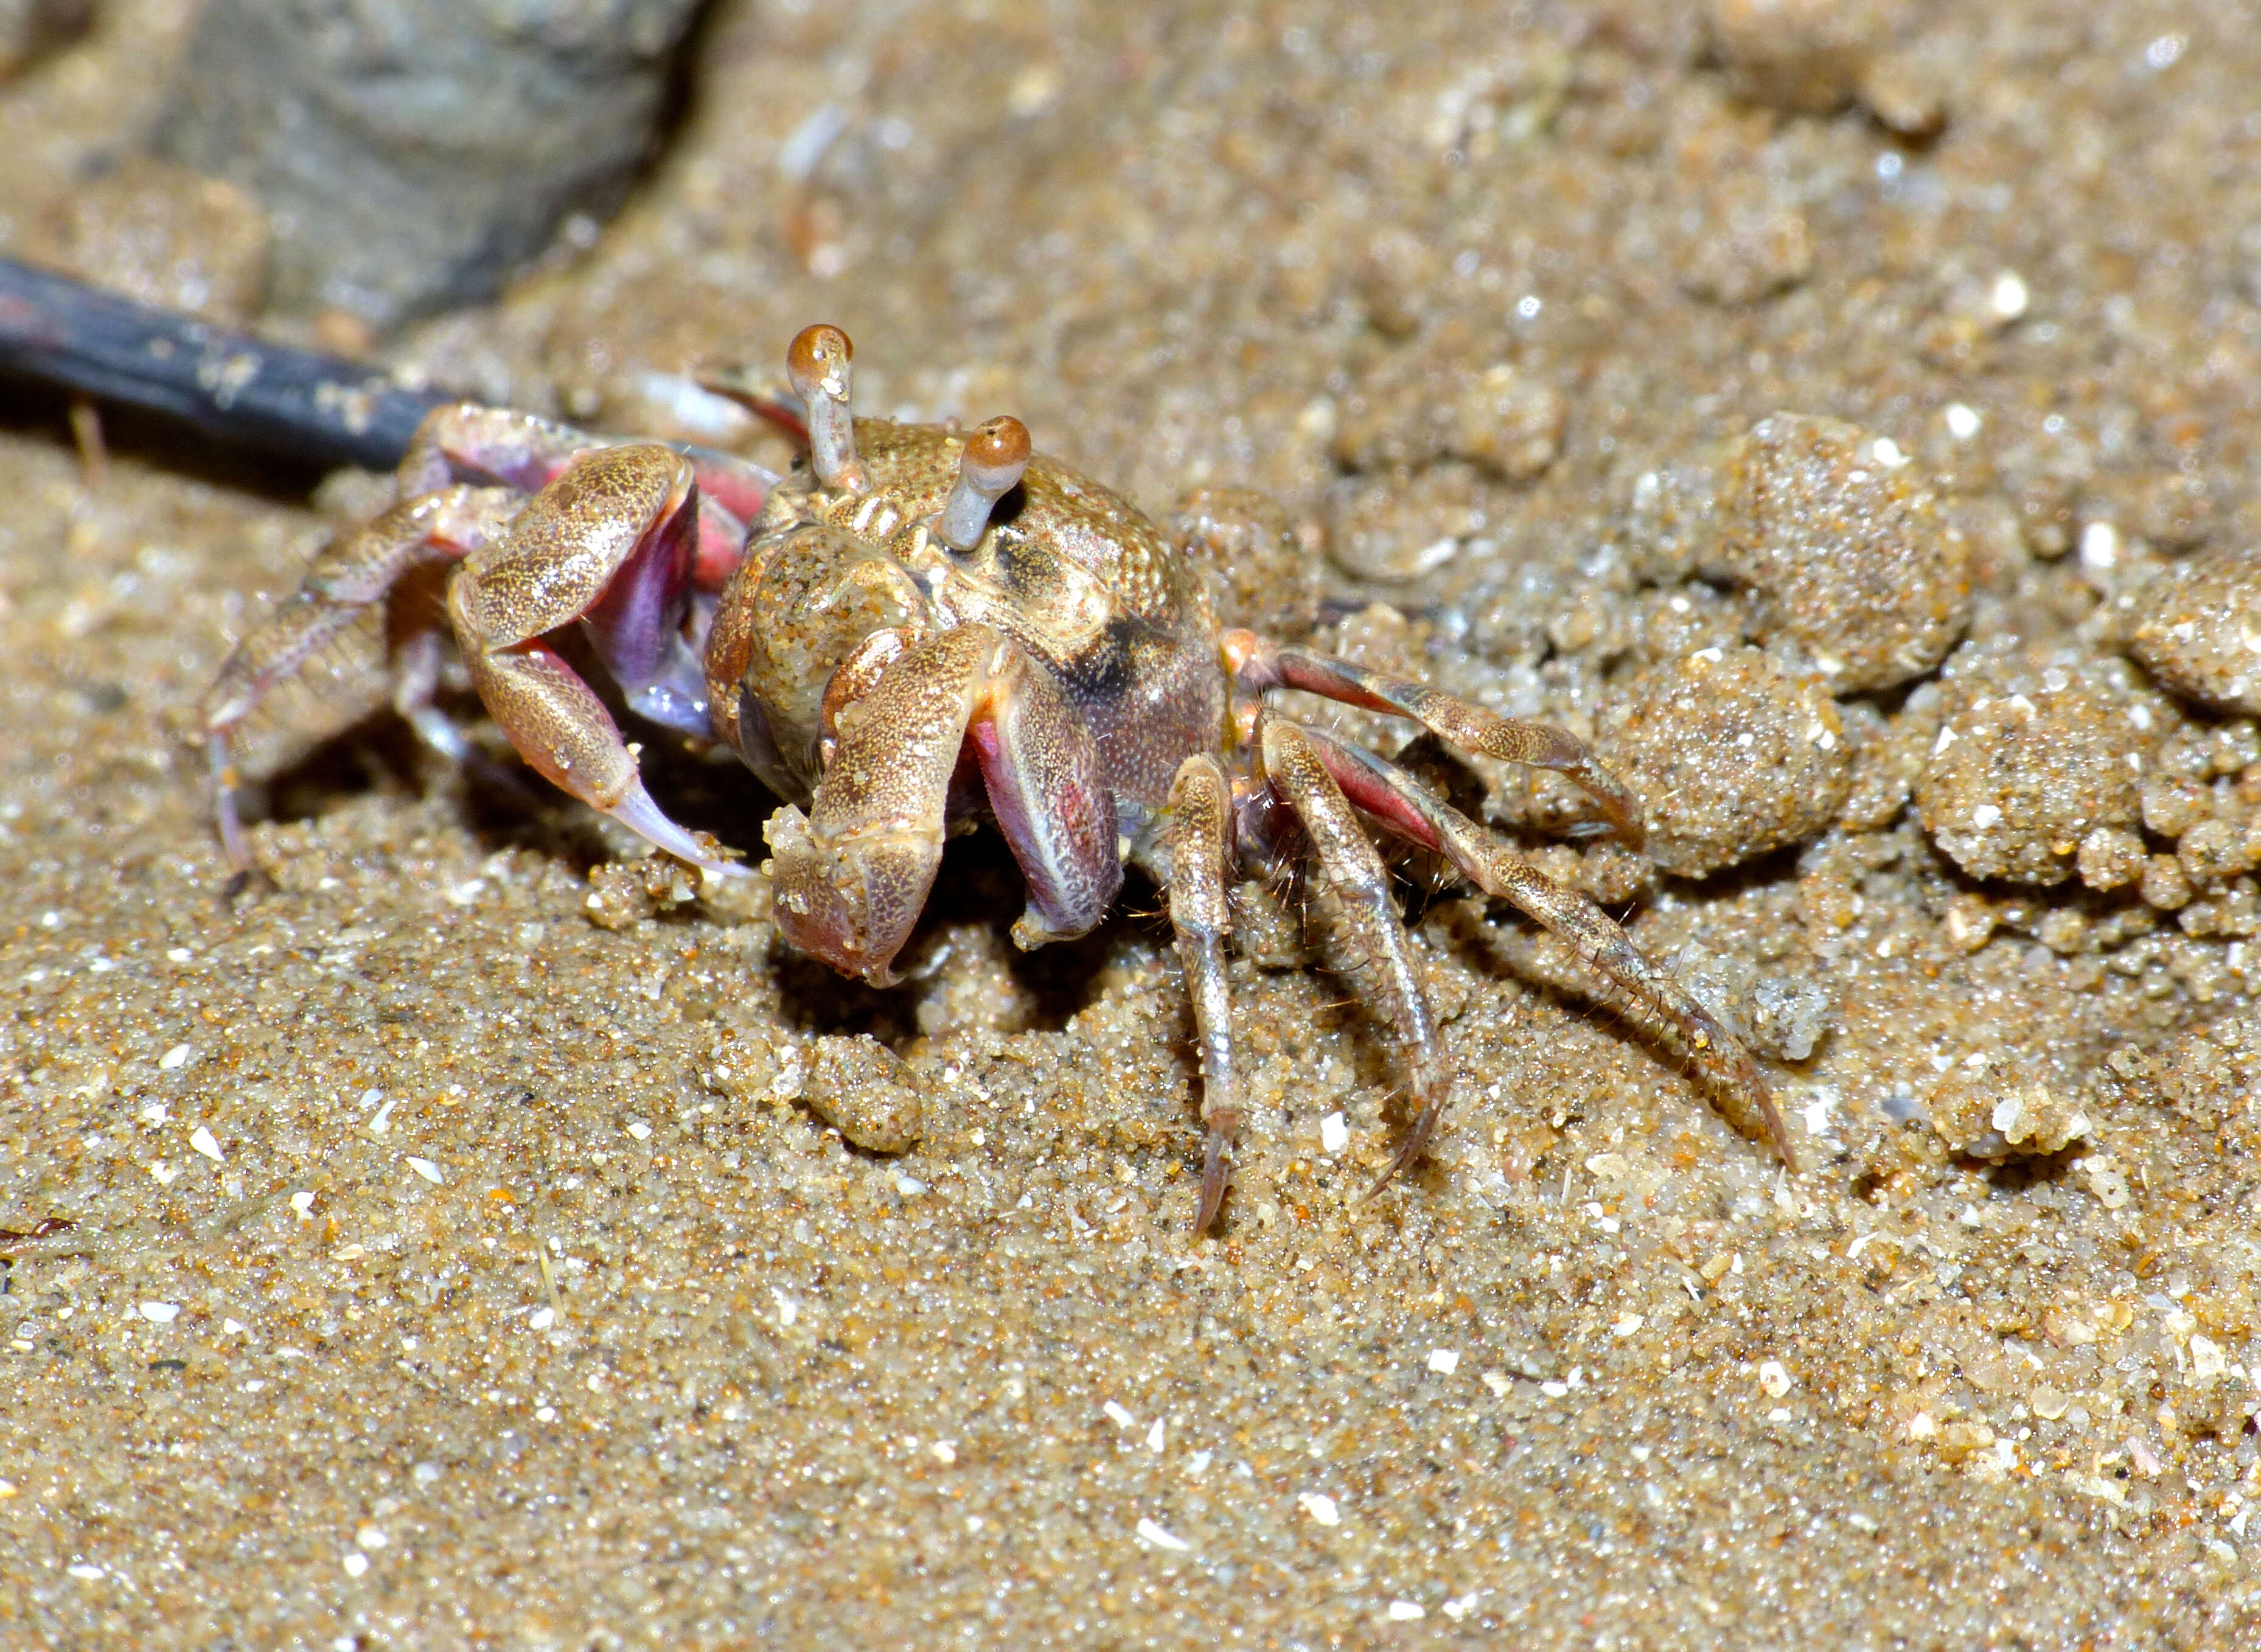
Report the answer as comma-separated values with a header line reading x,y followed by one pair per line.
x,y
917,628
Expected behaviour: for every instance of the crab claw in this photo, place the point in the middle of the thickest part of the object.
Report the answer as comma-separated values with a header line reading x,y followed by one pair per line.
x,y
853,902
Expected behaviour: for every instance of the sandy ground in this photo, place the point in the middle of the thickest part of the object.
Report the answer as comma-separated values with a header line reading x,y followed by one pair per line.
x,y
453,1269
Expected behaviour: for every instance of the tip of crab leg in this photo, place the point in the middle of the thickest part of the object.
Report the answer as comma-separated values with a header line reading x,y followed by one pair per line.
x,y
636,811
991,467
224,805
817,362
1216,1176
1416,1143
1779,1132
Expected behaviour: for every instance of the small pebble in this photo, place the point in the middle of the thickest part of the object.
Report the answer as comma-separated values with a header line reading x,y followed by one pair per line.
x,y
2197,628
2167,886
1161,1538
1732,757
1788,1016
2111,858
863,1090
2034,752
1840,546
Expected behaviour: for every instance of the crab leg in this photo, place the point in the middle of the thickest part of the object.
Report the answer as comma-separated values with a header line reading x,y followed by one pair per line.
x,y
1387,975
466,441
416,662
1261,664
1414,811
347,575
1200,853
852,874
608,544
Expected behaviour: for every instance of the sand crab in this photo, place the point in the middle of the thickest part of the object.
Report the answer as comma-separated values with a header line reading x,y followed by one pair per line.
x,y
916,627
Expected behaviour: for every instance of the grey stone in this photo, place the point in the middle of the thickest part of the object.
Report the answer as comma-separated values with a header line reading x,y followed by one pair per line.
x,y
414,153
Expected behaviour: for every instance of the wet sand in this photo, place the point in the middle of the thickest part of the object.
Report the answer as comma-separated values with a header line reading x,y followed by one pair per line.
x,y
458,1261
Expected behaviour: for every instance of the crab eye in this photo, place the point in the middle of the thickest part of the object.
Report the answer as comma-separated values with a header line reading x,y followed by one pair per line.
x,y
996,457
817,363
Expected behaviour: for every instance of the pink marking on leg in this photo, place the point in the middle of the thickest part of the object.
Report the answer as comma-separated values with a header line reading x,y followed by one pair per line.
x,y
1370,793
721,545
740,486
1065,855
636,624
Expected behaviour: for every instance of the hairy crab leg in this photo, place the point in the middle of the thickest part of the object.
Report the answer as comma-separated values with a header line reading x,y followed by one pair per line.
x,y
1388,976
609,543
345,578
1261,664
1200,851
1410,807
853,875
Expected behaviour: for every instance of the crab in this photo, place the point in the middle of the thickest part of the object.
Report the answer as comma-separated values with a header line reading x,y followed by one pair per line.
x,y
918,626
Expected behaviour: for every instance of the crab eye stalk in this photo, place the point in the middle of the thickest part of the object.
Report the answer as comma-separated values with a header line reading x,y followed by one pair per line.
x,y
817,362
991,467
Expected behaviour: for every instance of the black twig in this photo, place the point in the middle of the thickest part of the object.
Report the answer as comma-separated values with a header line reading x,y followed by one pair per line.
x,y
299,404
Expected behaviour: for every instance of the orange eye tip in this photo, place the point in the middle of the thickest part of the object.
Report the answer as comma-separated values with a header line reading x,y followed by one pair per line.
x,y
814,352
999,444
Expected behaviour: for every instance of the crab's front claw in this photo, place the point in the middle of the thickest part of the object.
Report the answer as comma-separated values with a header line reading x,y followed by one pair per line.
x,y
853,902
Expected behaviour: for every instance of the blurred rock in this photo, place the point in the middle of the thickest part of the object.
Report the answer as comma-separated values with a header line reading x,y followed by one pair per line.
x,y
1803,56
1401,525
1815,56
30,28
1744,245
1262,571
414,153
1429,404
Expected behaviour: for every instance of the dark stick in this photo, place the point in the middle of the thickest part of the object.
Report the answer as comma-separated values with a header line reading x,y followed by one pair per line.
x,y
316,408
